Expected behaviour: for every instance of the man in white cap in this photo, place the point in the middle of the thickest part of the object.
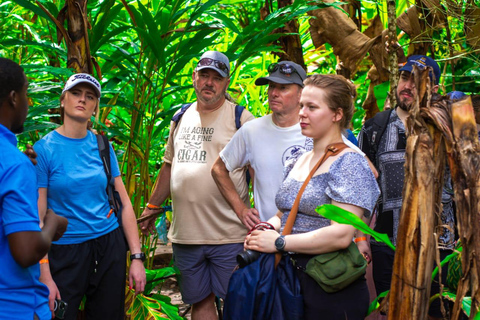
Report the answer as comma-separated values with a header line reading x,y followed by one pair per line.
x,y
205,232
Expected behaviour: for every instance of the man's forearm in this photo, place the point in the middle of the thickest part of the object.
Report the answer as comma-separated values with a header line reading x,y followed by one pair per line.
x,y
226,186
162,189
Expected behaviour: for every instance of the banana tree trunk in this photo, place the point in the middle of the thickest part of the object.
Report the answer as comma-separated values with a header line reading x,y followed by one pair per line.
x,y
424,171
465,169
76,35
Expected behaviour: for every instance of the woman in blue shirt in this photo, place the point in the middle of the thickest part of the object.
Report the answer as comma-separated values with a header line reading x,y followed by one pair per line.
x,y
90,259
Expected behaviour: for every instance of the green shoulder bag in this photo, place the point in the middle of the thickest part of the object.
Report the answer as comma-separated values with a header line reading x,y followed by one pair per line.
x,y
336,270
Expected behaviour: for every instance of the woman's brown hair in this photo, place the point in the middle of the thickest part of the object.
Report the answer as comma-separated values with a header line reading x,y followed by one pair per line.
x,y
340,93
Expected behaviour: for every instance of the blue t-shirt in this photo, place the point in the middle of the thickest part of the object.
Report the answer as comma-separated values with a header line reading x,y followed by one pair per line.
x,y
76,182
21,293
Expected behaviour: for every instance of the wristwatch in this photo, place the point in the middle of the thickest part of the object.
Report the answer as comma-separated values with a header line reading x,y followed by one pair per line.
x,y
280,243
140,256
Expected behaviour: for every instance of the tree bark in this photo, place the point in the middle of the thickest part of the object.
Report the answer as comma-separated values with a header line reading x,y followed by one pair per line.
x,y
392,56
424,171
76,35
465,168
291,44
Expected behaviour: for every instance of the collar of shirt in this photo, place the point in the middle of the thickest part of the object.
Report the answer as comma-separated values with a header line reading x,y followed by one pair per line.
x,y
9,136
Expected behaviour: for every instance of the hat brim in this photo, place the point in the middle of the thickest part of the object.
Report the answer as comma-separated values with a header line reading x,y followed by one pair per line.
x,y
77,82
407,68
221,72
265,80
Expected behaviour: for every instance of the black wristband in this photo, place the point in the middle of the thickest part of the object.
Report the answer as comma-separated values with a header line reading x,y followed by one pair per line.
x,y
140,256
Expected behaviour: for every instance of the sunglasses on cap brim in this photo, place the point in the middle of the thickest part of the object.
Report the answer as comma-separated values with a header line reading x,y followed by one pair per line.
x,y
284,68
205,62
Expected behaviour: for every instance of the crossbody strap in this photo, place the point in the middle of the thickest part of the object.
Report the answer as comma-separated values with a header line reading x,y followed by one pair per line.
x,y
330,150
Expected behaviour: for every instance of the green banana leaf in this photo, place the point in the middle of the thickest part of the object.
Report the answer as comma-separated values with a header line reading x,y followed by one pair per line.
x,y
155,307
157,276
445,261
466,303
375,303
342,216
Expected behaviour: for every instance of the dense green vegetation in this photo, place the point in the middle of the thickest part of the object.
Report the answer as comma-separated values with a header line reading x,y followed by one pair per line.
x,y
145,52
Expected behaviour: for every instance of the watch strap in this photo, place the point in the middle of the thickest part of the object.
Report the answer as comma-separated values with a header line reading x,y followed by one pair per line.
x,y
140,256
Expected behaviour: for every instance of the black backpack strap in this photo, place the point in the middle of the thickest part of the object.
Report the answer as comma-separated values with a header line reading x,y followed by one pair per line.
x,y
379,124
176,118
238,114
113,196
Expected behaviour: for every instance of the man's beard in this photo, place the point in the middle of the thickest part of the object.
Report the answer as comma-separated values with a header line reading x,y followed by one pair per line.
x,y
214,99
402,104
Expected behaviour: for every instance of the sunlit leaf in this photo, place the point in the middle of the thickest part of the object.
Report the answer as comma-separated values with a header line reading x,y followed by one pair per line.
x,y
342,216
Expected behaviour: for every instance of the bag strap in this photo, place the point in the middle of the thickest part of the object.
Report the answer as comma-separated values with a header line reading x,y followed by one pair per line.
x,y
104,150
379,124
238,114
330,150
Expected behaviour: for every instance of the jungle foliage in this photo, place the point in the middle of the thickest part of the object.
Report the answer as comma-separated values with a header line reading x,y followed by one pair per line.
x,y
144,52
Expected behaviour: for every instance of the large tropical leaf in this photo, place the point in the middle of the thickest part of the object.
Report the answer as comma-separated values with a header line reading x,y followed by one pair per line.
x,y
157,276
342,216
141,307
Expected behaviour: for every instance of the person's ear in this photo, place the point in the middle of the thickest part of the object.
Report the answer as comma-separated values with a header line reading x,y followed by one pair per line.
x,y
12,98
435,88
338,115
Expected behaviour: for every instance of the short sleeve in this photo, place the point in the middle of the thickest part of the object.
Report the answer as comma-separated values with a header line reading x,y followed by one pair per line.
x,y
246,116
235,154
41,167
168,156
19,198
352,182
290,163
363,142
114,162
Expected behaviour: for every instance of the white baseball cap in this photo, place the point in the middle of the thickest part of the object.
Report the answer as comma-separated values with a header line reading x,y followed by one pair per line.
x,y
83,78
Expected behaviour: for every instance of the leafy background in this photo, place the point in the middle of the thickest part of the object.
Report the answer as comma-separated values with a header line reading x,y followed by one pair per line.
x,y
145,51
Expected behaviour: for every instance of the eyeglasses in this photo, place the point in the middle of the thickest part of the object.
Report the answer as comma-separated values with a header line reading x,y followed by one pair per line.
x,y
284,68
212,62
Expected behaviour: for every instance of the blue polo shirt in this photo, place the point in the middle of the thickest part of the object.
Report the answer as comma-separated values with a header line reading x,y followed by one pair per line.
x,y
21,293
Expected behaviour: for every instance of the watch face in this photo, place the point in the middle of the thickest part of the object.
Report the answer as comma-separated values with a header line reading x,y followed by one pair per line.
x,y
140,256
280,243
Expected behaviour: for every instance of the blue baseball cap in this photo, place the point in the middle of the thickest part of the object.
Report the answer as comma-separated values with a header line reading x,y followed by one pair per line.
x,y
455,95
422,62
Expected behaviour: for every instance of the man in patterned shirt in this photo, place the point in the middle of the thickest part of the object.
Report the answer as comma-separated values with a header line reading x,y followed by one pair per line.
x,y
387,152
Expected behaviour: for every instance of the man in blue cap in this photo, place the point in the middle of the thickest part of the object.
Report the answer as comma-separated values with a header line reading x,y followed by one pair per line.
x,y
206,234
383,140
